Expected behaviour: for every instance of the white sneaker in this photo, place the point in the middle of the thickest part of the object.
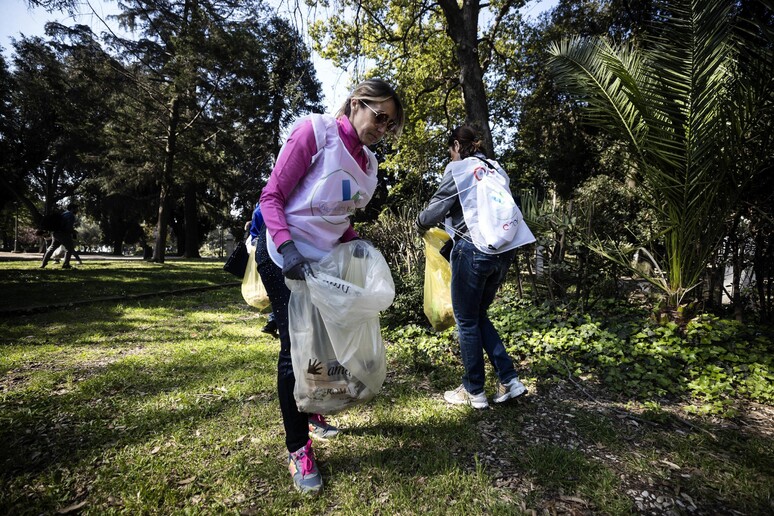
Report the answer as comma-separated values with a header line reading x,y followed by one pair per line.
x,y
460,396
506,391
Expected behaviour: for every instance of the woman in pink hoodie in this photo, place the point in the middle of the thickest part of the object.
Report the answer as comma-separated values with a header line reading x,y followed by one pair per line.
x,y
324,173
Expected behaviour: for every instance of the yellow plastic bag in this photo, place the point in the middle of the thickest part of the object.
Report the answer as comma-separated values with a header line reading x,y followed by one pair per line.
x,y
253,290
438,305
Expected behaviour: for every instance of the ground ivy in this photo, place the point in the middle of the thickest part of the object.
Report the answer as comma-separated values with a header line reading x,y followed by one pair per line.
x,y
707,364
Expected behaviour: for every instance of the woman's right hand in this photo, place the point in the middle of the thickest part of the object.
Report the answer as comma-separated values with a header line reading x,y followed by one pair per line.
x,y
294,265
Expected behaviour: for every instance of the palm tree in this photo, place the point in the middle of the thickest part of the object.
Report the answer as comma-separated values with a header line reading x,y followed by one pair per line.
x,y
679,104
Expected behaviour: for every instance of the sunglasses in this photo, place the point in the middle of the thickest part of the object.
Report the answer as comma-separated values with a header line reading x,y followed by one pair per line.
x,y
382,118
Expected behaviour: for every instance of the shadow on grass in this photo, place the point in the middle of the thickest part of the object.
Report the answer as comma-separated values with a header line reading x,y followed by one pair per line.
x,y
55,415
118,405
549,449
617,460
118,325
26,287
560,450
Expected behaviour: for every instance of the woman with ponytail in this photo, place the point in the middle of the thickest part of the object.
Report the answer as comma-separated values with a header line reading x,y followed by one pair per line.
x,y
475,274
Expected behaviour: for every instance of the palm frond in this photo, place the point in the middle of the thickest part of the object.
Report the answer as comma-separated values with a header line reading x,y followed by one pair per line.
x,y
669,101
605,78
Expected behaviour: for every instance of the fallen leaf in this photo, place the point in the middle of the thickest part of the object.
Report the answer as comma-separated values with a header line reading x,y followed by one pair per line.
x,y
71,508
187,481
574,499
688,497
155,450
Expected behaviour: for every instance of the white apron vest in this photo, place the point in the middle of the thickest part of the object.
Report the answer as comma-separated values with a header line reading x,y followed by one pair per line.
x,y
487,229
334,186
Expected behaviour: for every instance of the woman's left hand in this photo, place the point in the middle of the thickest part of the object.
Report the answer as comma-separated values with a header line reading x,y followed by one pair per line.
x,y
294,266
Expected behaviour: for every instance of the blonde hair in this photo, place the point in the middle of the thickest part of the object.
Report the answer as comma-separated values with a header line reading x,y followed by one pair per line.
x,y
375,90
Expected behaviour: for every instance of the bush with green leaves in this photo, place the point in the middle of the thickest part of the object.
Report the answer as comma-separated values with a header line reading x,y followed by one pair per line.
x,y
395,235
421,348
711,362
614,210
708,366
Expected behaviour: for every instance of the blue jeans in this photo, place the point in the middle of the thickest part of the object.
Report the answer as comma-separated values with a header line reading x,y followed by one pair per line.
x,y
476,276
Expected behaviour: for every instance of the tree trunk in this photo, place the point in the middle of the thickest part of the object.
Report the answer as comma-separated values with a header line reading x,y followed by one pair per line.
x,y
715,285
736,282
160,247
166,179
191,218
759,268
50,187
462,28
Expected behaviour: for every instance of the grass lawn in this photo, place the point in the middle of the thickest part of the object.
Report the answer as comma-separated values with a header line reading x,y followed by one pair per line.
x,y
167,405
27,286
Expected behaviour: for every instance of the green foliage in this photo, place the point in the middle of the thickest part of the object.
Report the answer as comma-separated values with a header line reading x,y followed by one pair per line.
x,y
614,210
420,47
712,362
53,110
407,307
420,348
709,366
674,101
394,234
569,270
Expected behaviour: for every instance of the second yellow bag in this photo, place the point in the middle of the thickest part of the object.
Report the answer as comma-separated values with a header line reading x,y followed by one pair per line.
x,y
253,290
437,303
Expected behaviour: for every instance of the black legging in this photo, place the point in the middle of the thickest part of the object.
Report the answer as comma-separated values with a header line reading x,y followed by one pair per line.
x,y
296,423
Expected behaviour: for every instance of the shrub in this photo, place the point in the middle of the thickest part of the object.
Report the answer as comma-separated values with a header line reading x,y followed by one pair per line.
x,y
710,365
395,236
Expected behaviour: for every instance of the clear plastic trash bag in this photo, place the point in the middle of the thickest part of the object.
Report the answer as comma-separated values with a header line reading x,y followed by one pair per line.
x,y
336,344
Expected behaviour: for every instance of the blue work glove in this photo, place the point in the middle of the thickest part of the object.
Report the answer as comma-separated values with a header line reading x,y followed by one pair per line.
x,y
294,265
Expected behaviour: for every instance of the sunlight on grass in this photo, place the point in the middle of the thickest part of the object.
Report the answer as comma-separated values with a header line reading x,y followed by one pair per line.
x,y
168,405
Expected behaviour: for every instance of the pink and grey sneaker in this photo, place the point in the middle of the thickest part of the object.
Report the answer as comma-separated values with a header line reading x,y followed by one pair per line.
x,y
320,429
302,466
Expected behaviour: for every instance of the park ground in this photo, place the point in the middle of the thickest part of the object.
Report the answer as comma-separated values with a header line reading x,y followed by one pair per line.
x,y
137,388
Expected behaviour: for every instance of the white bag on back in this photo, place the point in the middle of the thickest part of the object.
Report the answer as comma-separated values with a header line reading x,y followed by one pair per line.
x,y
498,214
337,350
494,220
